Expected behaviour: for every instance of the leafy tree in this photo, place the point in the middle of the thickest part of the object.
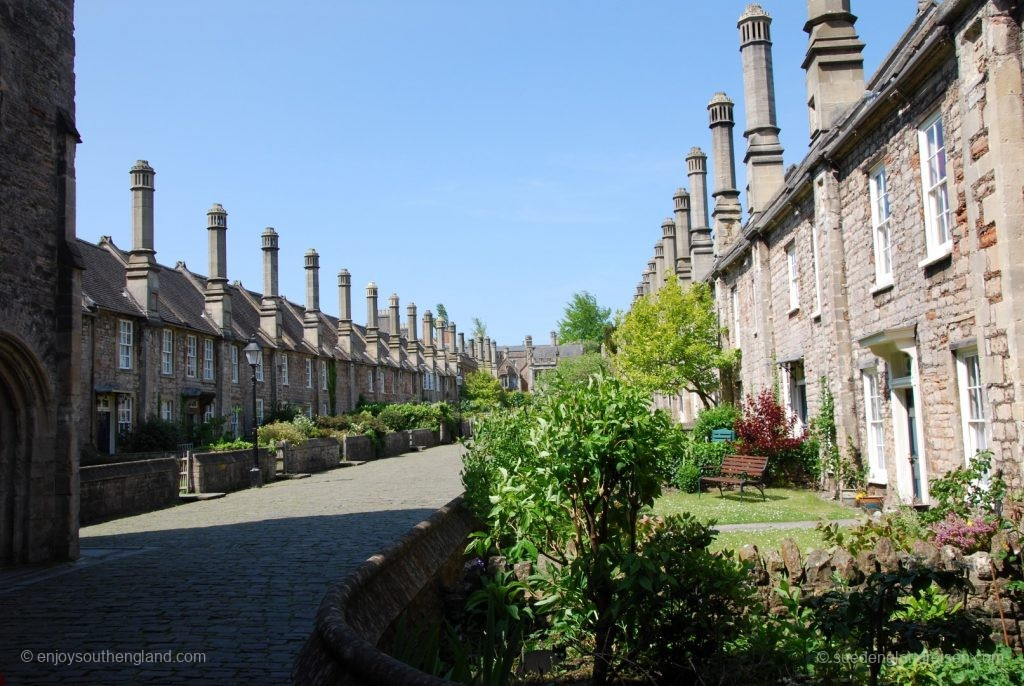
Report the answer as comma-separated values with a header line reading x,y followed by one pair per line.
x,y
480,386
442,311
669,342
584,320
479,328
573,371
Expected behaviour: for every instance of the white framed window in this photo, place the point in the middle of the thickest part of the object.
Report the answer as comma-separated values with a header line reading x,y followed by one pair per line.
x,y
167,410
191,356
816,272
208,359
793,275
881,213
323,375
734,300
167,353
208,413
323,409
973,402
309,410
369,380
234,421
284,369
259,411
938,220
124,343
259,366
380,380
797,393
875,429
309,373
124,413
234,364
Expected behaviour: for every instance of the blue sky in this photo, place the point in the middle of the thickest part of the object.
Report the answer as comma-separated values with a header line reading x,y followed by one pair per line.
x,y
491,156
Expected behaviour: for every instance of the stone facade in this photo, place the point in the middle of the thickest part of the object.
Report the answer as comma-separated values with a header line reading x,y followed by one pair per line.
x,y
518,367
166,342
40,279
884,264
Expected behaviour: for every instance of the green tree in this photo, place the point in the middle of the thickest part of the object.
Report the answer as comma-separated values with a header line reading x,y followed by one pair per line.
x,y
669,342
442,311
479,328
480,386
584,320
573,371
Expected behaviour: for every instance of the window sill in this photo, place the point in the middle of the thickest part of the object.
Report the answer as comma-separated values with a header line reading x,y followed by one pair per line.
x,y
943,252
794,310
816,316
882,287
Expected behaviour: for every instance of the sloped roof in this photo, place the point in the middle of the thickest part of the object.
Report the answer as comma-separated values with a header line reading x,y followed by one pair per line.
x,y
103,281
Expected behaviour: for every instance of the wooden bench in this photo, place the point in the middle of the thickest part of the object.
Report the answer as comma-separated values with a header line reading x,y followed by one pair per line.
x,y
745,470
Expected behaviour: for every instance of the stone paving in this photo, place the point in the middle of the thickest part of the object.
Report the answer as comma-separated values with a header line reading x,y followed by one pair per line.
x,y
237,580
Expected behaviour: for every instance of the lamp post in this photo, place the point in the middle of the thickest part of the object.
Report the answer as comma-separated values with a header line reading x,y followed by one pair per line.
x,y
252,356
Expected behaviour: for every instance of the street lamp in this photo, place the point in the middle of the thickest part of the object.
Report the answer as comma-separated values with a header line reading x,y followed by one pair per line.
x,y
252,356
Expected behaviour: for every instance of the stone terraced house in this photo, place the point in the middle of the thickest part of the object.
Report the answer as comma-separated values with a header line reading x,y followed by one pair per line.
x,y
159,341
887,263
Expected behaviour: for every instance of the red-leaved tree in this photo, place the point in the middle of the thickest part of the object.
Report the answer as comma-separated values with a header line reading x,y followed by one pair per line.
x,y
767,428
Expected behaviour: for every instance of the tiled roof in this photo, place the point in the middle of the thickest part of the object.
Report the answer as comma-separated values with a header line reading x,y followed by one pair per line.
x,y
103,281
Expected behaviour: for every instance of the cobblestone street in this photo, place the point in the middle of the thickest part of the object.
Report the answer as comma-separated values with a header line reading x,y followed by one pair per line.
x,y
237,579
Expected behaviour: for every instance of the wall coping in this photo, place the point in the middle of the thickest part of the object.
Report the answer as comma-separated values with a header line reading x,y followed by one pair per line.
x,y
120,470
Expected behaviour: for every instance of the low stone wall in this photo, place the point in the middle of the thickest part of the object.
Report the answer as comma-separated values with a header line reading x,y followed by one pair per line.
x,y
229,471
424,438
125,488
118,458
394,443
357,448
813,573
355,614
467,429
315,455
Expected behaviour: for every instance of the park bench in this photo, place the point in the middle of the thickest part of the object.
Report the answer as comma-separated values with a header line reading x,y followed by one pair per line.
x,y
745,470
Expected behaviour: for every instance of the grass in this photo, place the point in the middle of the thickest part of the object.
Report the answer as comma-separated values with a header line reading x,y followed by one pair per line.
x,y
781,505
768,539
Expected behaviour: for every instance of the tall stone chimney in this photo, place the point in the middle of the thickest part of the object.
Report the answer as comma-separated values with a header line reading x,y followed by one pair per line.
x,y
410,325
142,280
428,330
765,170
462,343
488,358
218,302
494,356
345,310
834,64
554,338
452,339
480,349
311,317
701,247
394,328
472,348
528,344
659,265
668,248
682,234
372,329
727,214
270,314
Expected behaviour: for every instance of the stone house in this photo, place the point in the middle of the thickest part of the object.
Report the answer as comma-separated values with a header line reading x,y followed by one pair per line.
x,y
885,264
40,277
166,342
520,366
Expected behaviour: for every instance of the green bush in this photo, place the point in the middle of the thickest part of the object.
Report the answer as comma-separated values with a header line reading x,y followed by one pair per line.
x,y
710,418
1003,667
224,446
272,434
700,458
966,491
687,477
340,422
149,436
394,418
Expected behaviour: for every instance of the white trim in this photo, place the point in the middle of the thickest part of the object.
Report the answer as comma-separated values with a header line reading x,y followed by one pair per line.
x,y
816,272
793,272
938,214
878,178
874,426
974,411
191,356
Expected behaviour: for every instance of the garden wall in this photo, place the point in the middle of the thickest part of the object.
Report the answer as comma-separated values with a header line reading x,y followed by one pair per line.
x,y
814,575
355,614
315,455
424,438
229,471
357,448
394,443
123,488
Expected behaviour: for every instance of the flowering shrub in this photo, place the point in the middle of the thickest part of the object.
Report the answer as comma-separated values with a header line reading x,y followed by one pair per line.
x,y
766,427
970,535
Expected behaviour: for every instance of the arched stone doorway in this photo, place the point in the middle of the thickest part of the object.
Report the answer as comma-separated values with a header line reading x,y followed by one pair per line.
x,y
26,456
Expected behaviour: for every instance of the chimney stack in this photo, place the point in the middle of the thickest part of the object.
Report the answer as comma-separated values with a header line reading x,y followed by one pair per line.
x,y
554,338
270,315
682,233
428,329
668,248
494,355
834,64
462,343
480,348
218,303
659,265
311,318
372,328
727,213
701,247
488,358
394,326
345,310
765,170
142,280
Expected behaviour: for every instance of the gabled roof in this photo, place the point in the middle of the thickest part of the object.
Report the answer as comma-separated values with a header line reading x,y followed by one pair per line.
x,y
103,281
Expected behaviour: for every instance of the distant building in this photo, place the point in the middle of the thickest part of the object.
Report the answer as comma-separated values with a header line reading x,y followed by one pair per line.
x,y
520,366
885,264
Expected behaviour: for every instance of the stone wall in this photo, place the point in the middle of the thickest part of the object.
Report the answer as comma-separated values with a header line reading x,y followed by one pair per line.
x,y
358,448
814,572
315,455
356,613
423,438
229,471
124,488
394,443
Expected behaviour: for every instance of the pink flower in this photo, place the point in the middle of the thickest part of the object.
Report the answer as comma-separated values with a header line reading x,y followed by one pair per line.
x,y
968,535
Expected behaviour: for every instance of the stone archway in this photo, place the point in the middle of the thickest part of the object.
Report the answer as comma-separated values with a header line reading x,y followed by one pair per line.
x,y
26,455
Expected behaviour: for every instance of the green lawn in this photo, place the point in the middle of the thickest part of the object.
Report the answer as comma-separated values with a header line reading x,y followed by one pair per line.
x,y
782,505
768,539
